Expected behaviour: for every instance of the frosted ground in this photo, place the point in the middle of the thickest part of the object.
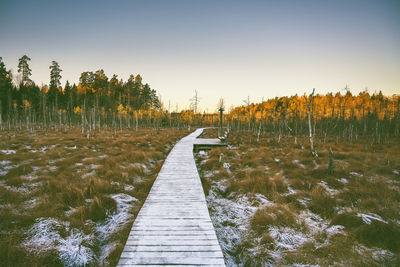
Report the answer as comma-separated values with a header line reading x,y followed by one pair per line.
x,y
284,223
67,201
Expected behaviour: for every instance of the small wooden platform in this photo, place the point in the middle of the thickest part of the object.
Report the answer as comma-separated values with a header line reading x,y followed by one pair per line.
x,y
206,144
174,228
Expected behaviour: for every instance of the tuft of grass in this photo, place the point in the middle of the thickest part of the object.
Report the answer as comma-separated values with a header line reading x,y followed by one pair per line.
x,y
321,202
380,234
100,207
348,220
275,215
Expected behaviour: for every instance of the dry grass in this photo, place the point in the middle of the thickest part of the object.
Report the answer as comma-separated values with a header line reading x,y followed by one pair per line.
x,y
65,171
365,180
275,215
321,202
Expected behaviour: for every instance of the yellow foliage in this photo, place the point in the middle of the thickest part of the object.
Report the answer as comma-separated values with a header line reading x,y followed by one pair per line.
x,y
26,104
121,109
77,110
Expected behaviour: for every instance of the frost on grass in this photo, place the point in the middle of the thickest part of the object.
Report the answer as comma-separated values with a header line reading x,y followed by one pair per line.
x,y
46,234
231,218
368,218
119,218
114,222
8,151
73,246
287,238
4,167
73,252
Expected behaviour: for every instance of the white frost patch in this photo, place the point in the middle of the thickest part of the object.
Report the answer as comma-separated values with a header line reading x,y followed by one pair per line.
x,y
72,252
296,161
95,166
4,167
202,153
368,218
226,165
44,236
53,168
8,151
79,164
334,229
396,172
315,164
139,165
356,174
314,222
30,204
277,160
4,162
102,156
231,217
129,187
106,251
88,174
343,181
287,237
291,190
328,189
118,218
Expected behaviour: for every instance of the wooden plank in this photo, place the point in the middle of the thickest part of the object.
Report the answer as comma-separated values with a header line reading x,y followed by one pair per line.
x,y
171,260
171,254
172,248
173,227
173,265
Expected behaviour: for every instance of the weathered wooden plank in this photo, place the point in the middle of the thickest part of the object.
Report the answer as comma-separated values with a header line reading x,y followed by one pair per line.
x,y
171,265
174,228
133,248
171,260
172,242
172,254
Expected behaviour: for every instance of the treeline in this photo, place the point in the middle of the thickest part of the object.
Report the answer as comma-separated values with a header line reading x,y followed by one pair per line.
x,y
99,101
344,115
95,101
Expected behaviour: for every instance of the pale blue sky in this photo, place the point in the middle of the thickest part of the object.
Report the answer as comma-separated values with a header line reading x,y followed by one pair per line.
x,y
228,49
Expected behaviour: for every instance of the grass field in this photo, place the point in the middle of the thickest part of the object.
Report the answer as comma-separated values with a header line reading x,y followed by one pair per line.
x,y
273,203
67,201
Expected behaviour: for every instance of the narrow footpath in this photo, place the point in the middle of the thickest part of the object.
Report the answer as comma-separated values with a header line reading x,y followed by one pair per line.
x,y
174,228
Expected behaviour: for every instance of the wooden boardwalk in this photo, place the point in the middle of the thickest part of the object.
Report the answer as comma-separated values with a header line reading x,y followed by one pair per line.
x,y
174,228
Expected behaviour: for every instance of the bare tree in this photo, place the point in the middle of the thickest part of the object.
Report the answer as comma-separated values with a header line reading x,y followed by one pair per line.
x,y
195,100
309,101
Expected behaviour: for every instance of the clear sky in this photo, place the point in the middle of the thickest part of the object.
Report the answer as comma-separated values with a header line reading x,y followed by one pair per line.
x,y
228,49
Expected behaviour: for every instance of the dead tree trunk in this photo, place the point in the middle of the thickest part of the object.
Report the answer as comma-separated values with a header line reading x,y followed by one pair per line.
x,y
309,102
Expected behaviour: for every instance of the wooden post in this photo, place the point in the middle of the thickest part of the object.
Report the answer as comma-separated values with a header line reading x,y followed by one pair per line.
x,y
221,110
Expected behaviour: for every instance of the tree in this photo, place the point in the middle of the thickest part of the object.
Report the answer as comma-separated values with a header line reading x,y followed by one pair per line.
x,y
55,75
195,100
5,87
23,68
55,83
309,102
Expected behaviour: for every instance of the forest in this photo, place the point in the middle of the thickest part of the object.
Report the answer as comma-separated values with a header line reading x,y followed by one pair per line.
x,y
97,100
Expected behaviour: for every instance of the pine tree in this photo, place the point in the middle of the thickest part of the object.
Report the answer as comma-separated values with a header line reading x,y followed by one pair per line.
x,y
5,87
55,75
23,68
